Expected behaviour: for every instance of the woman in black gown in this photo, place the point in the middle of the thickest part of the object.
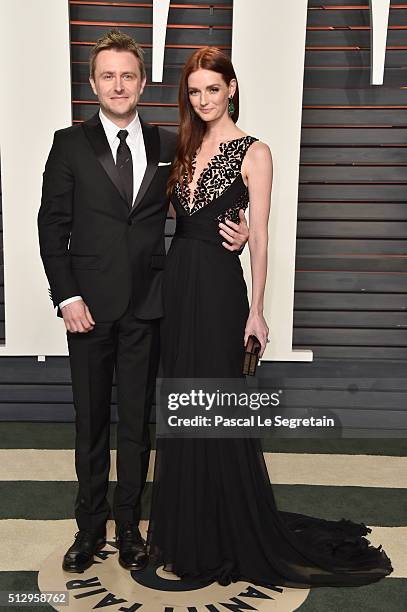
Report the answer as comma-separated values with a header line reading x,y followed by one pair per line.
x,y
213,514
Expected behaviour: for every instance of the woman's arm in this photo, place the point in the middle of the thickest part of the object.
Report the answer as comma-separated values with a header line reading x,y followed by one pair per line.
x,y
258,171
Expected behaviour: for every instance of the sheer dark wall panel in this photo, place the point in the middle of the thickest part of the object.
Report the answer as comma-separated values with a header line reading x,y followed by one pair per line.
x,y
351,273
190,25
31,391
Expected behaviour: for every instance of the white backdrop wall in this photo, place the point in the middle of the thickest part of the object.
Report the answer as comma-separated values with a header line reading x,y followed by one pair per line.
x,y
35,101
270,73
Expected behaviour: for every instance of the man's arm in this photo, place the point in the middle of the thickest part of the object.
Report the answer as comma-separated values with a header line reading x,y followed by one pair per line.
x,y
55,222
54,228
76,315
236,234
74,298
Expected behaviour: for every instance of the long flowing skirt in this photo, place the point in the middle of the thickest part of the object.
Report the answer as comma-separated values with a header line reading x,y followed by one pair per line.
x,y
214,517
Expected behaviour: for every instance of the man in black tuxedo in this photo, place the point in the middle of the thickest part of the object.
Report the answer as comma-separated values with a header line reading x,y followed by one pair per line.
x,y
101,229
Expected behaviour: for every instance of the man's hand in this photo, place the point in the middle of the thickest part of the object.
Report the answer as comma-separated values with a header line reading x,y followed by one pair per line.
x,y
235,234
77,317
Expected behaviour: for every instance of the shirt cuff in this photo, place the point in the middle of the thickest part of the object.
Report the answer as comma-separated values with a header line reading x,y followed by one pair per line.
x,y
75,298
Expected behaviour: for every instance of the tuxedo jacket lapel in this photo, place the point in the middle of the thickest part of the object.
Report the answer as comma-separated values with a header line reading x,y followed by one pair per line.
x,y
96,135
152,145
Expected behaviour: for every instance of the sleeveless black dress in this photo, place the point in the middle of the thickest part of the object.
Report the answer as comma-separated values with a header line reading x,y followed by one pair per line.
x,y
213,515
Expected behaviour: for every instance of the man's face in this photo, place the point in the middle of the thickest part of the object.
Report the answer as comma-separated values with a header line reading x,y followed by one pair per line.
x,y
117,83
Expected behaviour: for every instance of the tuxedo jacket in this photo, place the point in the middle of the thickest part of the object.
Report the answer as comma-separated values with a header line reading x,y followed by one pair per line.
x,y
91,243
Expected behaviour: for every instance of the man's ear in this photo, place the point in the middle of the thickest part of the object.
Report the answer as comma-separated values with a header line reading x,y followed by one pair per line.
x,y
143,84
92,84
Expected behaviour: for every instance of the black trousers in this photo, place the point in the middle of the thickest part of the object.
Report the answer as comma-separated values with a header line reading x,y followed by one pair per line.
x,y
130,347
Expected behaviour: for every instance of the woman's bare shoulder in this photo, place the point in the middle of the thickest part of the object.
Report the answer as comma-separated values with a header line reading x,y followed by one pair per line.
x,y
259,155
259,150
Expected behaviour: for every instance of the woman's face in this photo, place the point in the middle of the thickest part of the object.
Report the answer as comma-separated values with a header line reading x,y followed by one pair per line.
x,y
209,94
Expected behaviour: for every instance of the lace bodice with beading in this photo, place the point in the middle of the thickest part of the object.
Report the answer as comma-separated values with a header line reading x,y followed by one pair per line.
x,y
219,174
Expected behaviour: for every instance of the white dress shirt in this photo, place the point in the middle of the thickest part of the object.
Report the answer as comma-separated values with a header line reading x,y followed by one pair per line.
x,y
135,142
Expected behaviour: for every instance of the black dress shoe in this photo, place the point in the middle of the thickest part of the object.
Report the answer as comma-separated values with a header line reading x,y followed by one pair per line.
x,y
132,548
80,555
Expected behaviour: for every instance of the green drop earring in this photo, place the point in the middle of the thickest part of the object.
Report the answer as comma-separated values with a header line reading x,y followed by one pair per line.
x,y
231,107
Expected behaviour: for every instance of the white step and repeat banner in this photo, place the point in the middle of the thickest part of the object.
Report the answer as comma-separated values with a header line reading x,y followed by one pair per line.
x,y
36,100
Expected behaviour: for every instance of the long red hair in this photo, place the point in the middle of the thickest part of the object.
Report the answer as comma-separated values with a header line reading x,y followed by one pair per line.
x,y
191,127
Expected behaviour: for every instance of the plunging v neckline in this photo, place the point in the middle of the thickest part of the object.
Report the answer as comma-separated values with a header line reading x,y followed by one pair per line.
x,y
191,201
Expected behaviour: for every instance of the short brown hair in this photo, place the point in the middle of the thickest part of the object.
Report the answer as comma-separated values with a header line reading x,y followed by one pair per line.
x,y
121,42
